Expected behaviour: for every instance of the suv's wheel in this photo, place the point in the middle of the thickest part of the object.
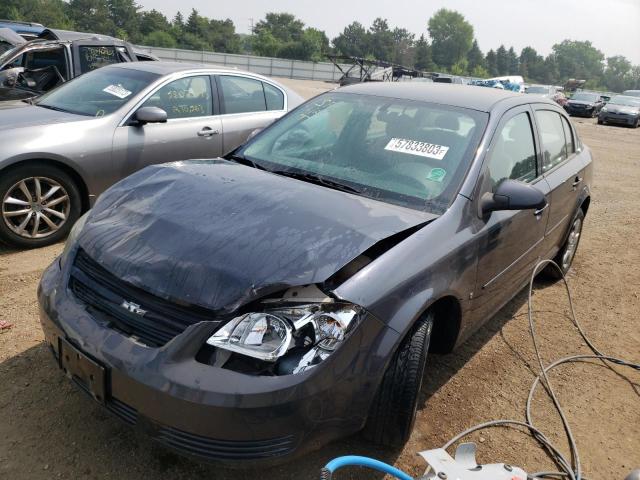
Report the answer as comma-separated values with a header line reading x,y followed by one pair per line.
x,y
40,204
564,258
393,411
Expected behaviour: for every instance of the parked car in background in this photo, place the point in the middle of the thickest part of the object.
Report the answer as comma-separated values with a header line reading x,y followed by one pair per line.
x,y
56,56
63,149
621,110
631,93
255,306
549,92
584,104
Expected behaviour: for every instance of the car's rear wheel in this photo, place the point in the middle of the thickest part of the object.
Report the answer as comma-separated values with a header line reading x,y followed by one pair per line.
x,y
564,258
40,204
393,411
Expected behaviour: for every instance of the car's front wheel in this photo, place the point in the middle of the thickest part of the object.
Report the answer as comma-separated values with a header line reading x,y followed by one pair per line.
x,y
40,203
393,411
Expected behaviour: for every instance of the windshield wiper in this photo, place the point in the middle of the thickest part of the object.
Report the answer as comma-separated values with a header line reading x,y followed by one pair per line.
x,y
51,107
318,180
28,100
244,161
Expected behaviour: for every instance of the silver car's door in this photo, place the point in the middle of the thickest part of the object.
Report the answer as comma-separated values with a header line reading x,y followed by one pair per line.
x,y
246,104
193,128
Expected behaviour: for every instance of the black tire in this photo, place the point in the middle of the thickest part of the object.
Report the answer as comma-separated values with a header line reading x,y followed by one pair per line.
x,y
600,121
47,176
393,411
552,272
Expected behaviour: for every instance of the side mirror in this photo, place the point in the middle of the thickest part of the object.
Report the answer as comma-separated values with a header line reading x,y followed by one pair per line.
x,y
150,115
513,195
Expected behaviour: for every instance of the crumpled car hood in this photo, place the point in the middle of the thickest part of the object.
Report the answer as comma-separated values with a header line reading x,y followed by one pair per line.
x,y
622,109
218,234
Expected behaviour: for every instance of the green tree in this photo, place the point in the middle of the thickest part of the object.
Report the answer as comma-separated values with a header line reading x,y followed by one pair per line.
x,y
502,61
579,60
381,38
475,58
423,60
531,64
284,27
451,37
618,74
90,16
52,13
513,63
125,15
551,73
403,51
159,38
353,41
492,63
152,21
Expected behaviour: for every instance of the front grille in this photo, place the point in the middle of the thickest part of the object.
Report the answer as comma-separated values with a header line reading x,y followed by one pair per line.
x,y
101,290
212,449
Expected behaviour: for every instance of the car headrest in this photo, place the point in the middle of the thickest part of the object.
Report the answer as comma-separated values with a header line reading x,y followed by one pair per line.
x,y
447,122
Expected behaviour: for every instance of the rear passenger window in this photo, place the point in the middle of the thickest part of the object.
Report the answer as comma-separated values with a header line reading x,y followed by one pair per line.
x,y
242,95
553,138
568,137
514,154
274,97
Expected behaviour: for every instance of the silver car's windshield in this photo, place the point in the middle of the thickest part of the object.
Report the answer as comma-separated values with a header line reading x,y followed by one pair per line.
x,y
405,152
97,93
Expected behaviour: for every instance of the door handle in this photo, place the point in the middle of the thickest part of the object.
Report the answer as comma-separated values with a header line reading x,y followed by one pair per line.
x,y
539,211
208,132
576,182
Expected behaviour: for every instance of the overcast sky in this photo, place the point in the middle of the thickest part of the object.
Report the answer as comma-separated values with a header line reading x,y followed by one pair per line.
x,y
613,26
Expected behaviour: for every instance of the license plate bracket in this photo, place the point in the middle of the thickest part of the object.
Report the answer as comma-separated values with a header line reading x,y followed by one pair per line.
x,y
85,372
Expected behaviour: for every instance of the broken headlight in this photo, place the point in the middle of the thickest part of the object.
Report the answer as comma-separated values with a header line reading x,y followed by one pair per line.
x,y
299,336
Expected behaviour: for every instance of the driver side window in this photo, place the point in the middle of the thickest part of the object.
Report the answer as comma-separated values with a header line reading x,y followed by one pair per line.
x,y
184,98
513,155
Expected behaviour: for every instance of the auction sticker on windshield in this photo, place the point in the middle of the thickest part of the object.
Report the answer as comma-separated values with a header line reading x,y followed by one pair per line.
x,y
414,147
117,91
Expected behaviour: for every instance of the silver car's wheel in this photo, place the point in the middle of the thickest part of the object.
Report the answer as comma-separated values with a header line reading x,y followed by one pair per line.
x,y
572,244
39,203
35,207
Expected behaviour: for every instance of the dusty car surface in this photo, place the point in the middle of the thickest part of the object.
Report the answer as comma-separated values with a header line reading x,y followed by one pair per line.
x,y
56,56
60,151
621,110
258,305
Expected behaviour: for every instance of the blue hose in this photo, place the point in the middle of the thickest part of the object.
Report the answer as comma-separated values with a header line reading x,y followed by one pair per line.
x,y
356,460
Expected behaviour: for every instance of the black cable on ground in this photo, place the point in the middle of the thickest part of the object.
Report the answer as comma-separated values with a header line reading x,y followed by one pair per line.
x,y
571,469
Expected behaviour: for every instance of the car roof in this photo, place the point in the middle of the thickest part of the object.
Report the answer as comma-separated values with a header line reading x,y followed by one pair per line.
x,y
166,68
466,96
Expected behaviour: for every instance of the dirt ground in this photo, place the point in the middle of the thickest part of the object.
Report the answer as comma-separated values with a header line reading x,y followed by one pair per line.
x,y
48,429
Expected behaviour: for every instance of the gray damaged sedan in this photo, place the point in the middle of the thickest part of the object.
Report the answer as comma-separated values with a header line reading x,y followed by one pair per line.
x,y
255,306
60,151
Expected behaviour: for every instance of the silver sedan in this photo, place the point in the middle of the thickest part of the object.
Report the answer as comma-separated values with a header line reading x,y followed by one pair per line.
x,y
58,153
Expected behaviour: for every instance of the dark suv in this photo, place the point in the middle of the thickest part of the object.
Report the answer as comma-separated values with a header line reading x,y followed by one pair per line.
x,y
56,56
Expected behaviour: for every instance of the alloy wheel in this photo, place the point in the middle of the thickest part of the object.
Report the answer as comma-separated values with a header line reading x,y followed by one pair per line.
x,y
35,207
572,244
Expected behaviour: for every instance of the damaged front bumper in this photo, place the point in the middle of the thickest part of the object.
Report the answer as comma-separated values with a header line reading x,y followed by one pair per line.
x,y
209,412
